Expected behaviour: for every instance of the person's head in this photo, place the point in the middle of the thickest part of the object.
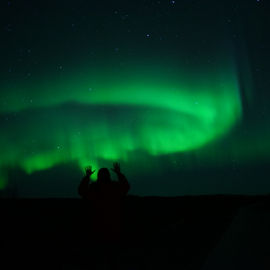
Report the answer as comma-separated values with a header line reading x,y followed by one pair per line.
x,y
104,175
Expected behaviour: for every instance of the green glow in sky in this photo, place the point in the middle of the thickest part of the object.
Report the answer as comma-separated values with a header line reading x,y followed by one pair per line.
x,y
91,116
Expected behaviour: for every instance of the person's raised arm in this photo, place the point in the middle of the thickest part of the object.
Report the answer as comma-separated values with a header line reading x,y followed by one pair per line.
x,y
121,178
84,185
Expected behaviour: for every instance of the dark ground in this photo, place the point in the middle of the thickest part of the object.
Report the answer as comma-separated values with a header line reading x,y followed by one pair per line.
x,y
192,232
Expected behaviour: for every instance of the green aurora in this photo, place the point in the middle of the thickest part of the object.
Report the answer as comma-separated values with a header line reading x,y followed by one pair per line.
x,y
176,91
92,116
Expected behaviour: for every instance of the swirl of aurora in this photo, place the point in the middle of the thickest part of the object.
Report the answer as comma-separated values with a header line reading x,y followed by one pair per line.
x,y
89,117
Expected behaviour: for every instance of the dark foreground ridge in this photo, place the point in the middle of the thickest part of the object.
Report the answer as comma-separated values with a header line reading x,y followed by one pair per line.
x,y
160,232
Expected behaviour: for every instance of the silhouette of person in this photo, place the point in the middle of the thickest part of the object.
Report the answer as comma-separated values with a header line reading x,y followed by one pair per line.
x,y
105,199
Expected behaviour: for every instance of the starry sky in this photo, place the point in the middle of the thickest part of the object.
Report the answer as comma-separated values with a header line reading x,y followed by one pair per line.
x,y
176,91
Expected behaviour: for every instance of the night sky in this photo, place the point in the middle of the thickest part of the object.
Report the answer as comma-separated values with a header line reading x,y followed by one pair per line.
x,y
176,91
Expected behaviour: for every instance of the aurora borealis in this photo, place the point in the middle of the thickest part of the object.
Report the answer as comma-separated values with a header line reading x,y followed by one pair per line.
x,y
97,84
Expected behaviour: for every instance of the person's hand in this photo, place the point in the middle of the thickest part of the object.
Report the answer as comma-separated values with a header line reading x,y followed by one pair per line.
x,y
88,171
116,167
